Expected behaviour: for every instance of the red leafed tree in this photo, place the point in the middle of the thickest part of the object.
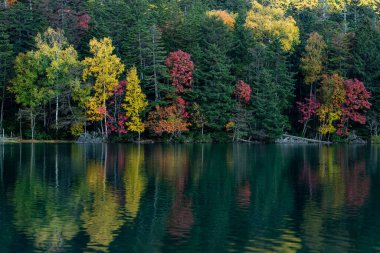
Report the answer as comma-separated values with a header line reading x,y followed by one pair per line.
x,y
84,21
116,118
181,69
239,122
307,110
243,92
170,119
355,105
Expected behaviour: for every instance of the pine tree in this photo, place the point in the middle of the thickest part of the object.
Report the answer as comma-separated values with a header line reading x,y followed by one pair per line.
x,y
269,72
366,60
6,58
215,84
155,70
269,120
23,24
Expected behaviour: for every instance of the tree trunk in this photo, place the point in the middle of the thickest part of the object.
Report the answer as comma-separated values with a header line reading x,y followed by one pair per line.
x,y
85,121
20,126
105,113
141,58
32,124
2,106
345,19
324,9
56,113
154,64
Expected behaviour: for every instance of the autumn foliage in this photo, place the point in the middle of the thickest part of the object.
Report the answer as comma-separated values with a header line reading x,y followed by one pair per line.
x,y
271,22
135,102
116,117
104,68
181,69
170,119
227,18
340,102
308,109
243,92
313,58
355,105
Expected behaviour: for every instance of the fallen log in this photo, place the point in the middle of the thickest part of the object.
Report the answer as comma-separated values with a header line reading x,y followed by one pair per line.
x,y
288,139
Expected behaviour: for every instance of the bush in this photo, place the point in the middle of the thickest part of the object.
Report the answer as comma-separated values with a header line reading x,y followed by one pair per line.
x,y
375,139
37,135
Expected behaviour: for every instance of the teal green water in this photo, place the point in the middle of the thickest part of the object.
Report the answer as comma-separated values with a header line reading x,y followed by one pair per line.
x,y
189,198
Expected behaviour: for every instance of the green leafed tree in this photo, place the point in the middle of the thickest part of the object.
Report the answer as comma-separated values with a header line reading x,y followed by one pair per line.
x,y
29,86
63,65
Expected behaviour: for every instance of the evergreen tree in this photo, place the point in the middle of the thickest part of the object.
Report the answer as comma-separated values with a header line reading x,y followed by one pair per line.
x,y
366,60
269,120
269,72
23,24
6,58
215,84
155,70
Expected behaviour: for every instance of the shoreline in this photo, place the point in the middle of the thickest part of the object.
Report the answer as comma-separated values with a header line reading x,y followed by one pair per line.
x,y
15,141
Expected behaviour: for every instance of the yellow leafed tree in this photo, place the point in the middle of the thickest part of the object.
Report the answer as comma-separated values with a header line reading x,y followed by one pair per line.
x,y
105,68
135,102
313,58
269,23
332,95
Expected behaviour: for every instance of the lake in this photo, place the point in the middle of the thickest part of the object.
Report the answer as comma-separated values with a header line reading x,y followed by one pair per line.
x,y
189,198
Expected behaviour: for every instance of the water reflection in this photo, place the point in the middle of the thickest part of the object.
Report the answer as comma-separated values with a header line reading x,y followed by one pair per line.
x,y
210,198
135,181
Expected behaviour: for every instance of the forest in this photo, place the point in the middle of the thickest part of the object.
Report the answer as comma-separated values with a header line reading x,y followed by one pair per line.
x,y
190,70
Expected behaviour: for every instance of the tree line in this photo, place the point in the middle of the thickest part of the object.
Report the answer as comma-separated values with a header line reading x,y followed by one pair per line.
x,y
197,70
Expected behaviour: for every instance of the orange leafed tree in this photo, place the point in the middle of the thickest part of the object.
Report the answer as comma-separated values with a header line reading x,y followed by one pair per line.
x,y
227,18
171,119
9,3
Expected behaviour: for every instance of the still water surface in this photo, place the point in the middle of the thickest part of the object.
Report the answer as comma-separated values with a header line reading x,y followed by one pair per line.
x,y
189,198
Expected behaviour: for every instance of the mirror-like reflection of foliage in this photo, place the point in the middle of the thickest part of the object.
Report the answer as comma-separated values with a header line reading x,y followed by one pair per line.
x,y
40,212
331,178
101,213
197,198
135,181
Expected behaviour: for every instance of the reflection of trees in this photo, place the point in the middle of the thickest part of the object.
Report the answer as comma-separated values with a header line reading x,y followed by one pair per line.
x,y
287,241
101,215
342,181
205,197
42,212
167,162
243,197
331,177
181,217
357,184
272,201
135,181
312,226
